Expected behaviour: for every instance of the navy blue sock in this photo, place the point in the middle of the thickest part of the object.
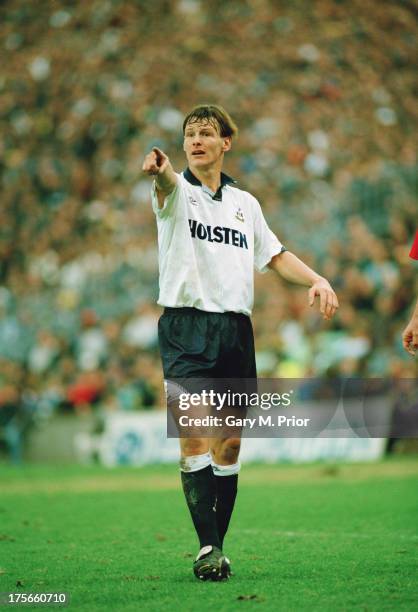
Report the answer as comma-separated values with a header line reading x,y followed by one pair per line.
x,y
200,492
226,492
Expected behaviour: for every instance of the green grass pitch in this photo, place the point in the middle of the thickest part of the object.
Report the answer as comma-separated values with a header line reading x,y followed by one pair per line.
x,y
316,537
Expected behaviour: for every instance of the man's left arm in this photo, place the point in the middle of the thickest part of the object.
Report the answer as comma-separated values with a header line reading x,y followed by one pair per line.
x,y
292,269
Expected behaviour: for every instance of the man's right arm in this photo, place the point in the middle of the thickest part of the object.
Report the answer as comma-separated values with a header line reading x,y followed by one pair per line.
x,y
158,165
410,333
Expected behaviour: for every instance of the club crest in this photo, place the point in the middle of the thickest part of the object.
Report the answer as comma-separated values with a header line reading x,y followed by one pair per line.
x,y
240,215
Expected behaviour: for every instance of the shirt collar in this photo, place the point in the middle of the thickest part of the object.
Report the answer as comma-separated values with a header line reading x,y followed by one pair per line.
x,y
225,180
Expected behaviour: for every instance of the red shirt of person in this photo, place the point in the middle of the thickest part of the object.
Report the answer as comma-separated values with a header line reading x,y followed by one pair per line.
x,y
414,250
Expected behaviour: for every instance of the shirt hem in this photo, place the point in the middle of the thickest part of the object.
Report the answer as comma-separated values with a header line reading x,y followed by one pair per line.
x,y
242,311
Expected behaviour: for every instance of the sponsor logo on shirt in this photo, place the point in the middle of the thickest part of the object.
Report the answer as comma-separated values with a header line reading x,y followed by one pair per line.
x,y
193,201
222,235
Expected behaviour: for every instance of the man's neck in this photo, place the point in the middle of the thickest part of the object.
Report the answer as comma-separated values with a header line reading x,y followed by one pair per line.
x,y
211,177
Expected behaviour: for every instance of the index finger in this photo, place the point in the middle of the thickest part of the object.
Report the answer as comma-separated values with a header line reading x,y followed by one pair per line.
x,y
160,155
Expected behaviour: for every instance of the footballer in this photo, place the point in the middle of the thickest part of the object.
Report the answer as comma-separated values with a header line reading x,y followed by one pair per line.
x,y
211,235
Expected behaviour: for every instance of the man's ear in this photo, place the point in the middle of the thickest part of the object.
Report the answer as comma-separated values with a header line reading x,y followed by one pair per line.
x,y
227,144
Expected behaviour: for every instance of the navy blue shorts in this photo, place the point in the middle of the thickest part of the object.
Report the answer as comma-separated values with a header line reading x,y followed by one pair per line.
x,y
198,344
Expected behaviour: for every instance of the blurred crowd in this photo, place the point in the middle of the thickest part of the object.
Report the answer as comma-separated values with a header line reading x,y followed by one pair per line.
x,y
323,95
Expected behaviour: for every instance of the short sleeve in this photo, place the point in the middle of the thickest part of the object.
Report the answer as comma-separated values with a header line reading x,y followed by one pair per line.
x,y
169,202
266,243
414,250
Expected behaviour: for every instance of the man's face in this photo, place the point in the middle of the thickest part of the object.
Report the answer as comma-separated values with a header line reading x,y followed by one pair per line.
x,y
203,144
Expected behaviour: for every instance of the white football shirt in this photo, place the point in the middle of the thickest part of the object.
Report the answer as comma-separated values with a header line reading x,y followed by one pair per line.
x,y
209,244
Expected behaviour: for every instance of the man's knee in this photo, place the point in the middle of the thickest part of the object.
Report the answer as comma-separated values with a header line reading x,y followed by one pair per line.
x,y
193,446
228,451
